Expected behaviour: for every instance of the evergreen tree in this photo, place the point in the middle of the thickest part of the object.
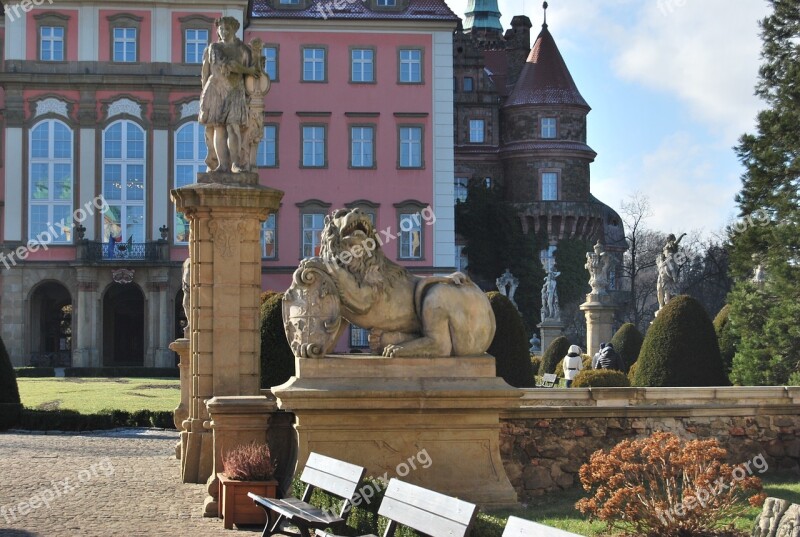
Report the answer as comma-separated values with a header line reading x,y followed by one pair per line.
x,y
10,406
495,242
510,344
764,317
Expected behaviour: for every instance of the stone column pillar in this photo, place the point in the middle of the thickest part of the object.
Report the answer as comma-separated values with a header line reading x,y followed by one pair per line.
x,y
181,413
599,313
235,421
85,320
159,326
550,329
224,246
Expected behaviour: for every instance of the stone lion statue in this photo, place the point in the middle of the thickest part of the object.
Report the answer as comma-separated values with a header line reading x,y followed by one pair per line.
x,y
406,315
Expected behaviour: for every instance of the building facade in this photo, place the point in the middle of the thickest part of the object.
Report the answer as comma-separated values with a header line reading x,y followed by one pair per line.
x,y
99,122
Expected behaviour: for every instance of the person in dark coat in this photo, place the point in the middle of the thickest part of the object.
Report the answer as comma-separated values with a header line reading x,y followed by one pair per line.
x,y
609,358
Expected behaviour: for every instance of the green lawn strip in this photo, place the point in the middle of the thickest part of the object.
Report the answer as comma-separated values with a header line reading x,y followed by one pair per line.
x,y
91,395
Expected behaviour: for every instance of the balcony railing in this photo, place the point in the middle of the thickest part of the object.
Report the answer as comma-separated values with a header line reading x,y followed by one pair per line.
x,y
98,252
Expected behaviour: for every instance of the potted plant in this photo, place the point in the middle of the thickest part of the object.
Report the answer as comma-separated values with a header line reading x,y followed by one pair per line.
x,y
246,468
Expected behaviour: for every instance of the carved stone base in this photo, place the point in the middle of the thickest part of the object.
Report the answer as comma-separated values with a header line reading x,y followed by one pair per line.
x,y
197,452
430,421
228,178
599,313
550,330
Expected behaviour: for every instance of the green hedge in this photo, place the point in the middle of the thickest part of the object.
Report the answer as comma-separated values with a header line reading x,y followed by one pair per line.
x,y
627,341
600,378
277,358
554,353
115,372
10,406
31,372
70,420
510,344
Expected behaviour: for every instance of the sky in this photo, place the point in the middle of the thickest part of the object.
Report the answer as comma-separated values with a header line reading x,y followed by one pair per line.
x,y
671,86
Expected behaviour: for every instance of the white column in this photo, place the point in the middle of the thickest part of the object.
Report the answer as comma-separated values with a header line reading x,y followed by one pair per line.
x,y
87,183
160,195
161,36
13,192
444,237
15,34
88,38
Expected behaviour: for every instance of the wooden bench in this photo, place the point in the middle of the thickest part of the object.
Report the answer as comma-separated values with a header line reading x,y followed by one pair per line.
x,y
423,510
518,527
325,473
548,380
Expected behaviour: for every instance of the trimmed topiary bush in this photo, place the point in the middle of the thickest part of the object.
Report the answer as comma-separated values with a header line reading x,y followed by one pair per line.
x,y
510,344
632,372
627,341
681,348
600,378
554,353
725,337
536,363
277,359
10,406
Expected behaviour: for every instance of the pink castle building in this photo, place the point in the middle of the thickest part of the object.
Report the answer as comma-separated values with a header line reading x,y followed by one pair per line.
x,y
99,120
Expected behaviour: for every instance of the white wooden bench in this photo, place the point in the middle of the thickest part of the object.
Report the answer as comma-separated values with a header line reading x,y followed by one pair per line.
x,y
548,380
519,527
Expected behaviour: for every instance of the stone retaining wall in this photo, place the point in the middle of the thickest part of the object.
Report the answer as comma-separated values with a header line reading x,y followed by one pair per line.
x,y
545,441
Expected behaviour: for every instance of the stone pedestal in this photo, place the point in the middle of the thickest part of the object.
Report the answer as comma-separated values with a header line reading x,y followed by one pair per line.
x,y
181,413
429,421
234,421
599,313
550,329
225,284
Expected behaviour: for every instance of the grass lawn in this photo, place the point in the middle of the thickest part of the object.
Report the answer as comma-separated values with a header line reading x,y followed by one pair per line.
x,y
90,395
558,510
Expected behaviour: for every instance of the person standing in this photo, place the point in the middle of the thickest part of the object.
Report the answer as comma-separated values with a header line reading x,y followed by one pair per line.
x,y
572,364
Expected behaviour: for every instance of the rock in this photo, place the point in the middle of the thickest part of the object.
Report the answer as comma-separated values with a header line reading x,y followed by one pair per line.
x,y
537,477
778,518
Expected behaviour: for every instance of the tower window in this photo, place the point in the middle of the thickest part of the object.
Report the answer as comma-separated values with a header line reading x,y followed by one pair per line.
x,y
549,186
548,127
469,84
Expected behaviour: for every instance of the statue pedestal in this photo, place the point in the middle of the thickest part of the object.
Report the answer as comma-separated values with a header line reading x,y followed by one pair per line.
x,y
181,413
429,421
225,284
549,329
599,312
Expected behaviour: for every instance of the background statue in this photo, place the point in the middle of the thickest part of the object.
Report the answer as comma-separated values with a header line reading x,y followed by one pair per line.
x,y
223,103
599,265
507,285
550,307
667,283
186,286
536,344
255,88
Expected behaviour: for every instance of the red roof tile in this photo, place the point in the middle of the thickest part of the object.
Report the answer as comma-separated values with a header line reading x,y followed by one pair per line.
x,y
415,10
545,78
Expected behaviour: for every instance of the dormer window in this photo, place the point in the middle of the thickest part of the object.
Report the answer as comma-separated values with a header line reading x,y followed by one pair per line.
x,y
548,127
387,3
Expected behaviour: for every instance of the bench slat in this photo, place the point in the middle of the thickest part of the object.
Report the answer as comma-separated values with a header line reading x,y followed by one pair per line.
x,y
344,470
344,488
518,527
426,510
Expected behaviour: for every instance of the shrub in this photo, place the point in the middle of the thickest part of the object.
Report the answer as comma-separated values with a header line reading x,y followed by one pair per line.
x,y
725,337
597,378
71,420
249,462
510,344
34,372
681,348
794,379
129,371
536,363
554,353
632,372
627,341
640,486
10,406
277,359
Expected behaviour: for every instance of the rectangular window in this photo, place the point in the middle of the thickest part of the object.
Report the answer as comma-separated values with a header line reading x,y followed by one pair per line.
x,y
196,42
359,337
50,206
290,2
312,233
314,147
476,129
362,66
269,238
461,259
313,65
51,43
410,66
549,186
124,44
410,147
362,147
468,84
271,62
548,127
267,155
410,236
460,189
387,3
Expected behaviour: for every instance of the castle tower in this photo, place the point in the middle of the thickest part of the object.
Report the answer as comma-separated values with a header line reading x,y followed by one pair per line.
x,y
482,20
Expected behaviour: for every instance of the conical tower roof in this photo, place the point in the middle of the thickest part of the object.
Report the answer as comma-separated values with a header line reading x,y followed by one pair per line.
x,y
545,79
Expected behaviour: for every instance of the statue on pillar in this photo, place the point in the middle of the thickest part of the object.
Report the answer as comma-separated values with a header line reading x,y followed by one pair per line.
x,y
507,285
599,264
550,307
667,283
186,286
223,101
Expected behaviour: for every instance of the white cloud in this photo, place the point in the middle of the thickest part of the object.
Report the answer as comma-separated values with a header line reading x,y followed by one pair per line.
x,y
680,177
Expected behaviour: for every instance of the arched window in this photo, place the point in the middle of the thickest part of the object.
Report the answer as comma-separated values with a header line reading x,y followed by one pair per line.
x,y
124,182
51,189
190,156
